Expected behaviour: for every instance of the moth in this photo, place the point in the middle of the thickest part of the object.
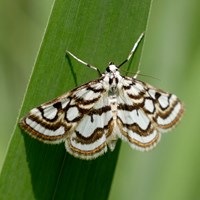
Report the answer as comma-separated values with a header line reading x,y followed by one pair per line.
x,y
91,118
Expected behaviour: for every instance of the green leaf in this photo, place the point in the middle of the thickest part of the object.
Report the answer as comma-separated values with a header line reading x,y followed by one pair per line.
x,y
95,31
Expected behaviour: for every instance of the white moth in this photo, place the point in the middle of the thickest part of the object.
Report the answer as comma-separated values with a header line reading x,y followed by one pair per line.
x,y
92,117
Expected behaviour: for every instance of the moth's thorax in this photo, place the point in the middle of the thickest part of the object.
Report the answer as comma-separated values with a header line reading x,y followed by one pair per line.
x,y
112,78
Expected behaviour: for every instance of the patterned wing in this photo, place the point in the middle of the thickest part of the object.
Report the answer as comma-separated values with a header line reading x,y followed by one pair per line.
x,y
81,117
144,112
94,132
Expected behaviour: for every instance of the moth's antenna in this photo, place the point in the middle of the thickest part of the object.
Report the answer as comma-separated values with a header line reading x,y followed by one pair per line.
x,y
136,74
86,64
132,50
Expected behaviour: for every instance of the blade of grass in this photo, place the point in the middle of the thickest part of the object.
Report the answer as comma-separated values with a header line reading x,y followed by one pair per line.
x,y
95,31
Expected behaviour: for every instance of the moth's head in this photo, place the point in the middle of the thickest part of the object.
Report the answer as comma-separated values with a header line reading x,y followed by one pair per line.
x,y
112,68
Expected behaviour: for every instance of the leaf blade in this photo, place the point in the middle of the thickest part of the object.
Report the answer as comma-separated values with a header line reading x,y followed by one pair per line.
x,y
44,171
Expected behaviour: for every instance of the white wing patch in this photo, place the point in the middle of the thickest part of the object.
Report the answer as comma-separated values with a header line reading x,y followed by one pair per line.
x,y
148,105
50,112
72,113
44,131
135,116
171,117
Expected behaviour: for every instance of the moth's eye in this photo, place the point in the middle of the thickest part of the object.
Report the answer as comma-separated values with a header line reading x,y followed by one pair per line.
x,y
108,69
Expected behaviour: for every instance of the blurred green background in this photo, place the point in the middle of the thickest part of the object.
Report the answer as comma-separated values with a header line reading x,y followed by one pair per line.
x,y
171,53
